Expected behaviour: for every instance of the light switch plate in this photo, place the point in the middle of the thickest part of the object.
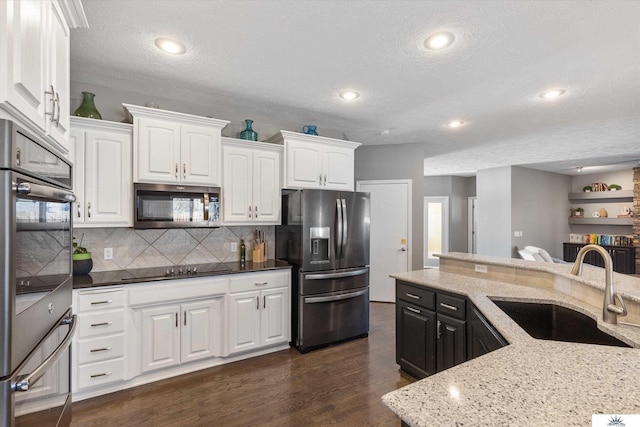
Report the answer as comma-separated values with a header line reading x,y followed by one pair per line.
x,y
234,247
108,253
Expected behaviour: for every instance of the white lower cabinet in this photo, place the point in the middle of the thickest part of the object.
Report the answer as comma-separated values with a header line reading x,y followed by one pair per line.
x,y
178,333
258,318
139,333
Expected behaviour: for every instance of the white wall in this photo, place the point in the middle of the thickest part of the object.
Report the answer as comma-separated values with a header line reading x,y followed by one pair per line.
x,y
493,190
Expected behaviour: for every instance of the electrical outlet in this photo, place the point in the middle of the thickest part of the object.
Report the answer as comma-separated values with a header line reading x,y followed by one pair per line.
x,y
234,247
108,253
517,234
481,268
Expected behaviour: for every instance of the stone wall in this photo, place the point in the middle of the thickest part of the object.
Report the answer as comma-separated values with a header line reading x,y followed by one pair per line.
x,y
636,215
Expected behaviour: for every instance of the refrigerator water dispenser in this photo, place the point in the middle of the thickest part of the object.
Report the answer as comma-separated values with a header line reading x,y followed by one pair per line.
x,y
319,250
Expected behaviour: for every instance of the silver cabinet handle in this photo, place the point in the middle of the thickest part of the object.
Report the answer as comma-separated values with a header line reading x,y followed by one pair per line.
x,y
261,283
78,207
264,301
176,170
95,325
176,319
257,303
250,212
18,156
57,104
109,301
23,382
325,180
51,92
104,374
415,310
184,170
255,211
185,318
412,295
439,333
95,350
450,307
320,180
89,209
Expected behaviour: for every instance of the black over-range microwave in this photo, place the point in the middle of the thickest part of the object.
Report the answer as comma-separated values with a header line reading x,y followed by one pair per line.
x,y
176,206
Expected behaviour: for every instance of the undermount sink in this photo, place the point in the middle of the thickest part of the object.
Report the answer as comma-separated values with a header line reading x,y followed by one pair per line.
x,y
556,323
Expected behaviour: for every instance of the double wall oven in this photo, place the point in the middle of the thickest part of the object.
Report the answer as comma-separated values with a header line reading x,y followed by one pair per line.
x,y
36,268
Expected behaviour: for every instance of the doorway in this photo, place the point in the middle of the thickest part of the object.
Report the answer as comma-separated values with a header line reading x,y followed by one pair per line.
x,y
436,229
471,225
390,234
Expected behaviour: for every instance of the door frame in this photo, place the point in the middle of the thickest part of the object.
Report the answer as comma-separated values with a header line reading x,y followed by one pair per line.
x,y
472,241
409,209
445,235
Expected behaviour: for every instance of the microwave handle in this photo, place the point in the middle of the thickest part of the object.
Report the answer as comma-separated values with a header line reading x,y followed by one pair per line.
x,y
206,206
23,382
43,192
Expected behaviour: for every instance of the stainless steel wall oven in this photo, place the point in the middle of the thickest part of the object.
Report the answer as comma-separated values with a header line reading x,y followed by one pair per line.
x,y
36,270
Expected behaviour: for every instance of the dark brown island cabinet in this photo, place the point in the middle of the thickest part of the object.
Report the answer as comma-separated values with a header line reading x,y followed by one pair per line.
x,y
436,330
623,257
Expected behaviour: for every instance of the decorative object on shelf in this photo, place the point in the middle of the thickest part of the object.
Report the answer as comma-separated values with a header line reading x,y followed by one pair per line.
x,y
595,214
577,213
586,188
603,213
310,129
248,133
88,108
82,262
599,186
614,187
625,212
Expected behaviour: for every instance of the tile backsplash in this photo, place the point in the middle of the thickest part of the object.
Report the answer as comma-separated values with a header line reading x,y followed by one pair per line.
x,y
169,247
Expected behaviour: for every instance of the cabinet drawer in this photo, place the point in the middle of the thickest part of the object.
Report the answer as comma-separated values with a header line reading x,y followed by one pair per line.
x,y
418,296
451,306
100,373
100,323
100,300
101,348
254,282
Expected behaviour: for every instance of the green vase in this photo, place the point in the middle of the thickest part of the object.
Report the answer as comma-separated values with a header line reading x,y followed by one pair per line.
x,y
249,133
88,108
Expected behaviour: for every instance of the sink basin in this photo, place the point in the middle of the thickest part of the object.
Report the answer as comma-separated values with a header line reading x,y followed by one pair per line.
x,y
556,323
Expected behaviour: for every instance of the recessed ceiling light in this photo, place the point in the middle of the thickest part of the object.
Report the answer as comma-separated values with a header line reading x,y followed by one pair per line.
x,y
170,46
349,95
552,93
578,169
439,40
455,123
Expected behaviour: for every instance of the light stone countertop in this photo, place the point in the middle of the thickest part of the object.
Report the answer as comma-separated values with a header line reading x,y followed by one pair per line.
x,y
529,382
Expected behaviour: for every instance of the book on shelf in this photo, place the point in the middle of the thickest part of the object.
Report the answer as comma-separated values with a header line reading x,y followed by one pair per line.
x,y
601,239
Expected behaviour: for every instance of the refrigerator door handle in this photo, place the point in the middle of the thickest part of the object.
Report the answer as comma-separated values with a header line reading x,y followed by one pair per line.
x,y
339,227
344,227
311,300
323,276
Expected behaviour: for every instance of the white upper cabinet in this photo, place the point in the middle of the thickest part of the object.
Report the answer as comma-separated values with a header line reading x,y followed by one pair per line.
x,y
102,173
251,183
312,161
172,147
34,66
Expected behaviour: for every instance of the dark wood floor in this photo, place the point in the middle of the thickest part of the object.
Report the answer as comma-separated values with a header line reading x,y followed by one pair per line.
x,y
339,385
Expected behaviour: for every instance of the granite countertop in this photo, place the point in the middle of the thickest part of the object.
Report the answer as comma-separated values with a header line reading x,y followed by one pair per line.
x,y
530,381
138,275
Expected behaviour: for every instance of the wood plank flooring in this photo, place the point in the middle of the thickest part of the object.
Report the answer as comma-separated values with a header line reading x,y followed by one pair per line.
x,y
339,385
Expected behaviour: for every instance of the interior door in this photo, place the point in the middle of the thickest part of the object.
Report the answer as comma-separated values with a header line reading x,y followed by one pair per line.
x,y
390,249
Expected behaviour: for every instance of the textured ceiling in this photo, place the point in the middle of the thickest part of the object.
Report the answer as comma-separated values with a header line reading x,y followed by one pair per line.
x,y
289,59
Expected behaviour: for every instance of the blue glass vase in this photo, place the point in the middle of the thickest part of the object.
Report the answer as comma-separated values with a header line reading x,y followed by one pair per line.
x,y
309,130
249,133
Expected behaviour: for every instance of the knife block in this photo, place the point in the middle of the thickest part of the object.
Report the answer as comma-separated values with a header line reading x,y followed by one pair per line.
x,y
258,253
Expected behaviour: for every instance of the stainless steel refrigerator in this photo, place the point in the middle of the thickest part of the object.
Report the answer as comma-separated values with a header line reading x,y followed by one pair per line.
x,y
325,236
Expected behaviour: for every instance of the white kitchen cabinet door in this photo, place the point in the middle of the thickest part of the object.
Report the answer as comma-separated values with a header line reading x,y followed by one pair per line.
x,y
107,183
157,156
200,155
266,187
237,192
304,165
201,329
160,337
275,321
58,74
244,321
338,168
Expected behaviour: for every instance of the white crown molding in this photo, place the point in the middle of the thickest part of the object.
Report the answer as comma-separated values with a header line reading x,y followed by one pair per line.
x,y
74,13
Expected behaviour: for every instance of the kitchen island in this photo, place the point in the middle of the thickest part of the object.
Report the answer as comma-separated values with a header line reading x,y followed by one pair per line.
x,y
529,381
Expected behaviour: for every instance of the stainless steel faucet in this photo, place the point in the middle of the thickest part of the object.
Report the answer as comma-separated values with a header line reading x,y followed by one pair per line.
x,y
610,311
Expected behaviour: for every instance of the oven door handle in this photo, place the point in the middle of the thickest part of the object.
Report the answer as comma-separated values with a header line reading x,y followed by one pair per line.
x,y
44,192
323,276
23,382
311,300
